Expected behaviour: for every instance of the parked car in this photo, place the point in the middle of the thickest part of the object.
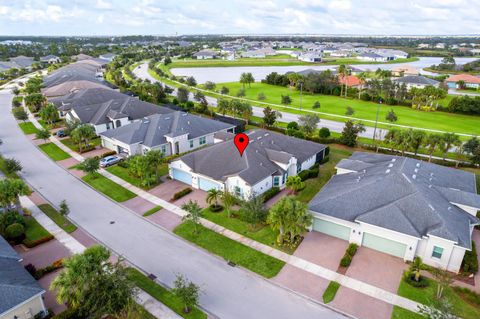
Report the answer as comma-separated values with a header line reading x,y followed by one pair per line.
x,y
110,160
61,133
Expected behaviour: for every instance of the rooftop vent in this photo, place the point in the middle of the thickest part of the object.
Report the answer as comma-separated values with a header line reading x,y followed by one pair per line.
x,y
414,176
188,122
431,207
394,159
387,171
390,165
266,134
416,170
430,186
418,165
259,137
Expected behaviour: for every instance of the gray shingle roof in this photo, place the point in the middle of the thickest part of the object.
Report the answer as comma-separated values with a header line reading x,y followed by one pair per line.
x,y
401,194
16,284
151,131
417,79
86,97
222,160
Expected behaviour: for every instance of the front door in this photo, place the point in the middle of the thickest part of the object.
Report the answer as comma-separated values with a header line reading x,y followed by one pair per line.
x,y
177,148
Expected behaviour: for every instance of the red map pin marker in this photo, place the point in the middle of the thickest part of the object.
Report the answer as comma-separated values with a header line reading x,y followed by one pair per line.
x,y
241,142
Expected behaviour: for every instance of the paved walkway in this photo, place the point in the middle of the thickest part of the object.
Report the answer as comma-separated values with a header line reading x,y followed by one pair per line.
x,y
151,304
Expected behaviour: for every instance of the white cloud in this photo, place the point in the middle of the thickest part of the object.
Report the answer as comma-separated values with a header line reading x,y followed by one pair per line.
x,y
101,4
340,5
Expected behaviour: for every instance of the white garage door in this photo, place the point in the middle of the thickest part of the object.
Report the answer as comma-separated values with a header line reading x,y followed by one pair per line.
x,y
206,185
332,229
182,176
384,245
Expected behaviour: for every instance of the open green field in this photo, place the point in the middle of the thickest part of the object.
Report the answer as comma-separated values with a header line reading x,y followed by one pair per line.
x,y
54,152
230,250
335,105
109,188
274,60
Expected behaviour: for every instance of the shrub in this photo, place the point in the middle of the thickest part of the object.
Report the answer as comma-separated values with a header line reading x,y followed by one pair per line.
x,y
365,97
352,249
20,114
270,193
303,175
182,193
261,96
108,154
15,232
32,270
349,253
470,261
215,208
468,295
292,126
9,218
68,314
31,244
324,132
316,105
409,278
346,261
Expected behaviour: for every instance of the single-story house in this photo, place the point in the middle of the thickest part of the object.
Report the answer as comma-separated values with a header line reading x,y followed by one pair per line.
x,y
417,81
310,57
71,86
114,113
205,54
400,206
350,80
20,294
404,71
50,59
172,133
24,62
374,57
266,162
471,81
107,56
92,96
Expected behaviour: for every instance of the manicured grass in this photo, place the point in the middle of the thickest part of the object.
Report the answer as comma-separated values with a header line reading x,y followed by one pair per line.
x,y
334,106
425,296
54,152
152,211
3,169
264,234
124,174
74,146
330,292
327,170
230,250
28,127
400,313
109,188
60,220
163,295
35,233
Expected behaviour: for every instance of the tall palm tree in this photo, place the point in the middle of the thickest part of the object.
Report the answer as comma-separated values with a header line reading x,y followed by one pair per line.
x,y
416,139
295,183
82,135
362,77
213,195
228,200
194,213
432,142
244,79
341,72
450,140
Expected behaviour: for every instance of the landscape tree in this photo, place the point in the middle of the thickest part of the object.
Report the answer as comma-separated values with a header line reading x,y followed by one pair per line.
x,y
224,90
228,200
154,159
270,116
182,94
64,209
417,139
295,183
190,81
324,132
82,135
187,292
290,217
223,106
90,165
244,79
308,123
449,140
241,92
35,101
209,85
12,166
432,142
20,114
475,156
10,191
444,280
200,98
391,116
261,96
43,134
167,60
92,286
349,111
471,145
49,114
402,141
316,105
194,212
286,99
213,196
253,211
350,133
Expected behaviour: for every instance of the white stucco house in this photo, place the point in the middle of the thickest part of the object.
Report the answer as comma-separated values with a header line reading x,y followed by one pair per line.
x,y
417,81
50,59
20,294
205,54
266,162
400,206
172,133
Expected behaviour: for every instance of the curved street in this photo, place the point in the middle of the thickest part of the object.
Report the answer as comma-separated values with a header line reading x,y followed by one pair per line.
x,y
227,292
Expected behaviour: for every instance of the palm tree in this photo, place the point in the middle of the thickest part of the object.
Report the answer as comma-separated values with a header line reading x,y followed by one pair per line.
x,y
10,191
228,200
154,159
49,113
244,79
341,72
254,211
450,140
194,212
402,141
416,267
362,76
416,139
295,183
82,134
213,195
223,106
432,142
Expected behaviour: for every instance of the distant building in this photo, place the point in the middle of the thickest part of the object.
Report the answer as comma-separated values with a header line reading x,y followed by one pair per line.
x,y
404,71
108,56
470,81
372,57
417,81
310,57
204,54
350,80
50,59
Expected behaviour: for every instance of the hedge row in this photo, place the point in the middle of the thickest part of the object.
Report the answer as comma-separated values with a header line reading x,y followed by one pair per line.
x,y
270,193
309,173
182,193
470,261
349,253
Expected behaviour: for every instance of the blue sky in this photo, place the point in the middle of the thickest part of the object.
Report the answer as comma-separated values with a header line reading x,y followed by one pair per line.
x,y
127,17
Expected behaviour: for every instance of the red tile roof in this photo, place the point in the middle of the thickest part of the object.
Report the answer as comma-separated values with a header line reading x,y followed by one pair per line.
x,y
350,80
467,78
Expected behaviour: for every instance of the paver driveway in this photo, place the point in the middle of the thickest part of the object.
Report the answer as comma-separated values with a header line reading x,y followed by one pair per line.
x,y
167,189
322,249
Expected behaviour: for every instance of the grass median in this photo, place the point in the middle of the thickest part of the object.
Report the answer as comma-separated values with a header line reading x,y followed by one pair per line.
x,y
28,128
230,250
60,220
54,152
107,187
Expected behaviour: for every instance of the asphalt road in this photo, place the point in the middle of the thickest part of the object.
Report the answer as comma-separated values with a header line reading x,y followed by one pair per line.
x,y
141,72
227,292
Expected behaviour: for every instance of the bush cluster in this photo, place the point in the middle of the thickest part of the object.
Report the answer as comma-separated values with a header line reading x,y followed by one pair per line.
x,y
15,232
470,261
309,173
270,193
39,273
182,193
109,153
215,208
409,278
349,253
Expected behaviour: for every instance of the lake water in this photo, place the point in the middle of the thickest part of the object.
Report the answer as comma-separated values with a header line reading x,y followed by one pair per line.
x,y
232,74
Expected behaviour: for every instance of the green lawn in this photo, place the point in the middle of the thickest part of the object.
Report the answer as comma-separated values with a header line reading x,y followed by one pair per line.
x,y
35,234
327,170
60,220
230,250
54,152
264,234
28,127
335,106
3,169
124,174
152,211
163,295
425,295
109,188
400,313
330,292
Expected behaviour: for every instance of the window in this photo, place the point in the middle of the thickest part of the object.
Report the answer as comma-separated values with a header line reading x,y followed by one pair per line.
x,y
299,168
164,149
191,143
238,191
276,180
437,252
203,140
